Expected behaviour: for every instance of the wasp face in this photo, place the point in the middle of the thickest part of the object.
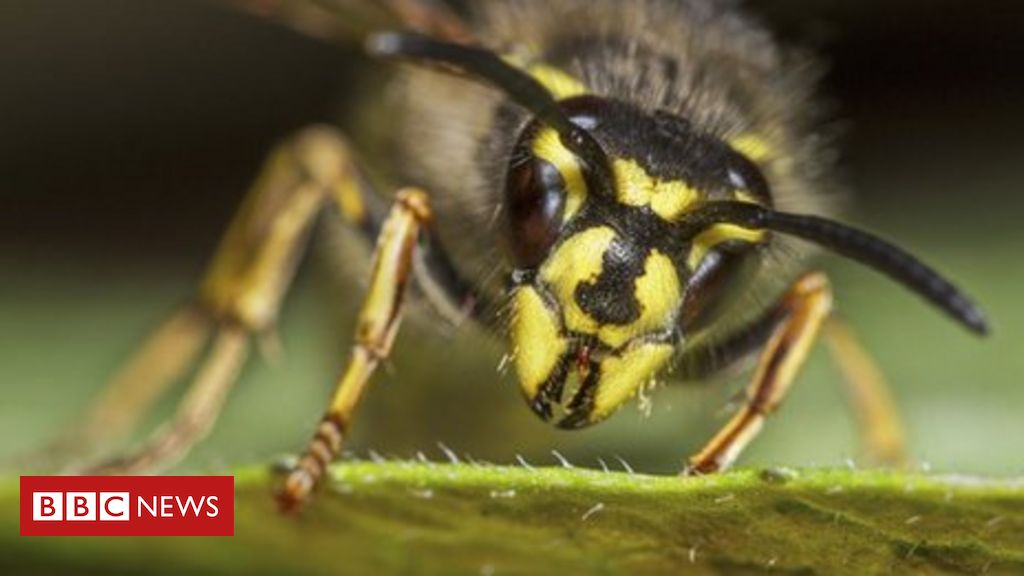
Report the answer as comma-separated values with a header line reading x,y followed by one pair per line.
x,y
605,271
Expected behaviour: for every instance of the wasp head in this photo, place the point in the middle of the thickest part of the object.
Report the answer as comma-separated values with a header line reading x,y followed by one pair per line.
x,y
603,271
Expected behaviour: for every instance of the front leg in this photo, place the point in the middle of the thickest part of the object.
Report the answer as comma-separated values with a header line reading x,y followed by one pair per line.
x,y
803,310
378,323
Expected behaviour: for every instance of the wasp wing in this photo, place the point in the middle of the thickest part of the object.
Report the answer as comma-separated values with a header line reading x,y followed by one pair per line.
x,y
350,21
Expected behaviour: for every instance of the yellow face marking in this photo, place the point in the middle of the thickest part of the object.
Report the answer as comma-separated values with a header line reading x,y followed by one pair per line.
x,y
578,260
622,376
668,199
548,147
715,235
560,84
752,146
633,185
538,341
658,293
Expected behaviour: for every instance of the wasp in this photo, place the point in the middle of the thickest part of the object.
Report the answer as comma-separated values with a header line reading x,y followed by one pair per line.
x,y
622,192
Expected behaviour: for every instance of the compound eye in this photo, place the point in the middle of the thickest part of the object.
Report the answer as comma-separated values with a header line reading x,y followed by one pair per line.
x,y
535,199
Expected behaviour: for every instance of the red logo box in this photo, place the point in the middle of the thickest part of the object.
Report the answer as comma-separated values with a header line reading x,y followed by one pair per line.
x,y
127,505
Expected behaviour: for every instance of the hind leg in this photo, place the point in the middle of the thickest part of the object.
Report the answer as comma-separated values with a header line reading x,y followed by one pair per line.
x,y
240,297
882,434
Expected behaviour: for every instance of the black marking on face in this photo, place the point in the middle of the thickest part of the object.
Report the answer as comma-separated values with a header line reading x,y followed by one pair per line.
x,y
612,298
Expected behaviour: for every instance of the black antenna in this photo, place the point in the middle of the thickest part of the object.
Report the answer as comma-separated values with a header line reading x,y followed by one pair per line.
x,y
521,87
855,244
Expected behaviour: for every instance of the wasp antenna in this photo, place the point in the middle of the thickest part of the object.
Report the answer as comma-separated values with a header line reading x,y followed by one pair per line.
x,y
480,63
522,88
857,245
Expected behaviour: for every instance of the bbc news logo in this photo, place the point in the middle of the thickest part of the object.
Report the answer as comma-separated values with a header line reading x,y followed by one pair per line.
x,y
116,506
127,505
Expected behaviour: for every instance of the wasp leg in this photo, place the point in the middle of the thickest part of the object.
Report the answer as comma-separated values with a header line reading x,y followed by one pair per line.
x,y
377,325
163,359
196,413
240,296
803,310
883,439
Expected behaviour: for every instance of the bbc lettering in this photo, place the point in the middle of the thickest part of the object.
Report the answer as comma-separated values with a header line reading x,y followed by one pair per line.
x,y
127,506
57,506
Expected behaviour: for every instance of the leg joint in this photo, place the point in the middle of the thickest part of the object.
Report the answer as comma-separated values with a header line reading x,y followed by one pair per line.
x,y
417,202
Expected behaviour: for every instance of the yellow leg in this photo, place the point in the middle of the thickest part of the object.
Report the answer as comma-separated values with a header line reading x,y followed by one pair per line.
x,y
805,308
196,413
240,296
163,359
883,439
378,323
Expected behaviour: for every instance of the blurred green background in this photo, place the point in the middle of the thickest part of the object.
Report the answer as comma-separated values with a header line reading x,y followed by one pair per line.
x,y
129,131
